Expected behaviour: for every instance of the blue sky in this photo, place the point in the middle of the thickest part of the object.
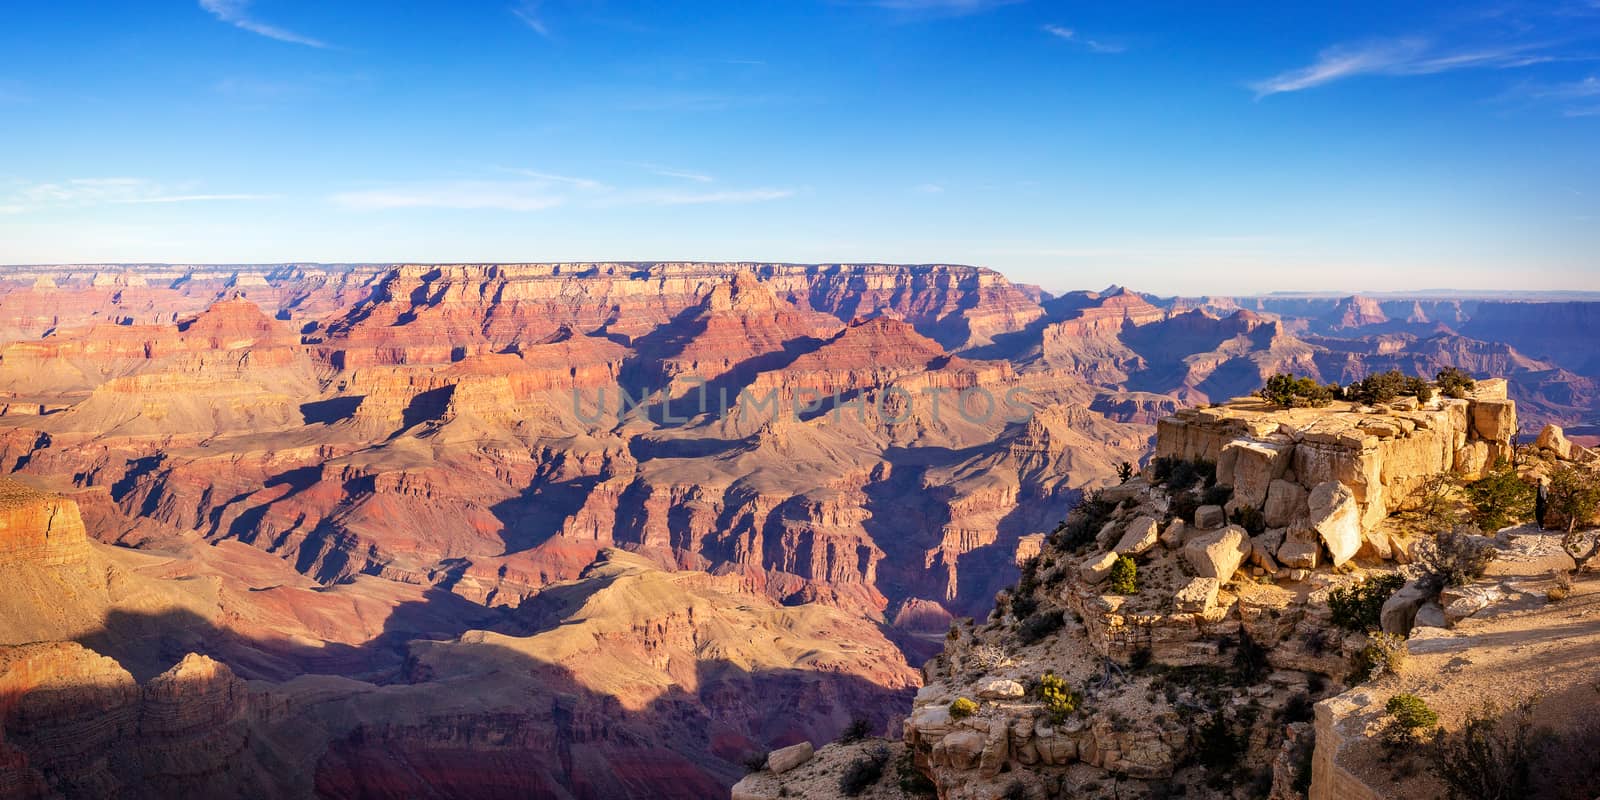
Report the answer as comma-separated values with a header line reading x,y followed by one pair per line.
x,y
1163,146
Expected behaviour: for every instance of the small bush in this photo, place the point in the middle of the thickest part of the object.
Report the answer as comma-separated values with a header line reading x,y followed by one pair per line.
x,y
1409,718
961,707
1289,391
1214,496
1250,665
1386,386
1489,758
858,729
1179,474
912,781
755,761
1040,625
1385,654
1357,608
1083,521
1058,698
1574,496
1566,767
1455,557
1250,518
1124,576
1454,382
864,772
1500,498
1124,472
1016,791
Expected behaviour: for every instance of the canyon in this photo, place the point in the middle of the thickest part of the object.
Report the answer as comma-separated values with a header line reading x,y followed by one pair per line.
x,y
596,529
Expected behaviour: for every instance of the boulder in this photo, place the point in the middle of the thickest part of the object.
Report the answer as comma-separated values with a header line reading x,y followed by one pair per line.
x,y
1429,615
962,749
784,759
1173,536
1460,602
1254,465
1198,596
1400,610
1285,502
1495,420
1472,459
1299,549
1263,548
1554,439
995,748
1208,518
1001,689
1218,554
1140,536
1336,517
1096,570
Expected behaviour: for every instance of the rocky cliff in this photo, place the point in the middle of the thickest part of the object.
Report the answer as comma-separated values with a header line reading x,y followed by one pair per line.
x,y
1197,668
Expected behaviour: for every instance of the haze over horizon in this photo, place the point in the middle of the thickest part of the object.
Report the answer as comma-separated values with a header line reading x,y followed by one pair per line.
x,y
1164,148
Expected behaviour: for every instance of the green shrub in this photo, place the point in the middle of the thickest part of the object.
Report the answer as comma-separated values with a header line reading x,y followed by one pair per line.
x,y
858,729
961,708
1455,557
1574,495
1124,472
1489,758
1454,382
1500,498
1250,518
1385,654
912,781
1059,699
1084,520
1124,576
1357,607
1179,474
1289,391
864,772
1040,625
1409,718
1386,386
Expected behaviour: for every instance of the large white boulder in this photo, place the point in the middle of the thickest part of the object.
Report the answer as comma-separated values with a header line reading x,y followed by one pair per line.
x,y
1142,535
1336,517
1218,554
1285,502
784,759
1554,439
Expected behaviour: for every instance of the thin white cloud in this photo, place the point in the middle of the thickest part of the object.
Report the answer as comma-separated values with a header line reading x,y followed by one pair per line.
x,y
1092,45
660,197
528,12
503,195
1410,56
236,13
928,188
672,172
81,192
539,191
938,8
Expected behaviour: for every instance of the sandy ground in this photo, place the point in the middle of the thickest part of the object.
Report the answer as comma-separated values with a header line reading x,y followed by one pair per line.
x,y
1523,647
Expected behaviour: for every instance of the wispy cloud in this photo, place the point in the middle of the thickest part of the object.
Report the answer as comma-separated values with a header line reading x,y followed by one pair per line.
x,y
928,188
938,8
236,13
528,12
536,191
1409,56
671,172
82,192
1092,45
